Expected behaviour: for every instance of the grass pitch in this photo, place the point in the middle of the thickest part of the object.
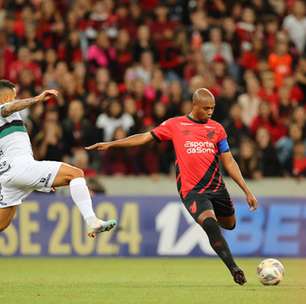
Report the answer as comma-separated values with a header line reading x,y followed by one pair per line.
x,y
160,281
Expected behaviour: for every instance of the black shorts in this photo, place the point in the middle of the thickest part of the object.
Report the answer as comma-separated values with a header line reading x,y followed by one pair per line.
x,y
219,201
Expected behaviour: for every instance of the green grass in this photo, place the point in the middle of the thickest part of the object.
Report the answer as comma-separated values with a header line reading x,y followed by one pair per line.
x,y
160,281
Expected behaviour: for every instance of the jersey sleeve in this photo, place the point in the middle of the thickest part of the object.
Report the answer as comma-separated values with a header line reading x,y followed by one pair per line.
x,y
163,132
222,143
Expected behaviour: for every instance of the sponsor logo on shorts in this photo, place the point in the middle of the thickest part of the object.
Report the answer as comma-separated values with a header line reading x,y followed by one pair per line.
x,y
193,207
45,180
4,165
8,168
1,197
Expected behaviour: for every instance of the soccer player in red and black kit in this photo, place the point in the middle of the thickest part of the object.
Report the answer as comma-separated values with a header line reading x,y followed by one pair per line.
x,y
199,143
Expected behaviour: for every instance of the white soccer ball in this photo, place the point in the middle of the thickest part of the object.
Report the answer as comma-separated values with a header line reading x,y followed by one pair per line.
x,y
270,271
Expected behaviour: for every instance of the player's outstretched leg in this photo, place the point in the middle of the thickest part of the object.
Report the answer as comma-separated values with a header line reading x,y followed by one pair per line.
x,y
81,196
219,244
74,177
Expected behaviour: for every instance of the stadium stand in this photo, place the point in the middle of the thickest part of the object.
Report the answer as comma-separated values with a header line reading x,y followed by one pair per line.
x,y
123,67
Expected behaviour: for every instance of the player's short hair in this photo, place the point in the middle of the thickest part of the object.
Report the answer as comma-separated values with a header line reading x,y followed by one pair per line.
x,y
6,84
202,93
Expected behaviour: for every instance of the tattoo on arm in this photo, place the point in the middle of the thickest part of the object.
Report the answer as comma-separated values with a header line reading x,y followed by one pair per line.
x,y
17,105
4,111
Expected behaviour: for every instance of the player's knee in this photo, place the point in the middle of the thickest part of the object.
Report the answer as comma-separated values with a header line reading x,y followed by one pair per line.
x,y
4,225
228,223
76,172
205,215
210,225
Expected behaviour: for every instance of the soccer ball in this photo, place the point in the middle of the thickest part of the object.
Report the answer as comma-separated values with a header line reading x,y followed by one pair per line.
x,y
270,272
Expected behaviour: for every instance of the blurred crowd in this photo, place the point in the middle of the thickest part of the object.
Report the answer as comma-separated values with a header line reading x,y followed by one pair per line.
x,y
123,67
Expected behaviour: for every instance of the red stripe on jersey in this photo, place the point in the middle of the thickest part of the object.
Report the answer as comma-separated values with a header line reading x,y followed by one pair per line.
x,y
219,183
210,181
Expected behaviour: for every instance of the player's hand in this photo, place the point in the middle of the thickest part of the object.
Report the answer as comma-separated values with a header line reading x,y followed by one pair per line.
x,y
252,201
46,95
102,146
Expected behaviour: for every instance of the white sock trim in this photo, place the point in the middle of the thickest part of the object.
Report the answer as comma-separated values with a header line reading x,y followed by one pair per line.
x,y
77,180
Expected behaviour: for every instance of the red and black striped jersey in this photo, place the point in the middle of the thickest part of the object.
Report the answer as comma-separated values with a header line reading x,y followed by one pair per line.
x,y
197,146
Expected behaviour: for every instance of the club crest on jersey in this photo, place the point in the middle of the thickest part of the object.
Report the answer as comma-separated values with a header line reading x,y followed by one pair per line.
x,y
186,132
210,134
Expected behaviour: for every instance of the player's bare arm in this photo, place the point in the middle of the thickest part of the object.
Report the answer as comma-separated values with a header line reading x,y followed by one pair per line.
x,y
20,104
131,141
233,170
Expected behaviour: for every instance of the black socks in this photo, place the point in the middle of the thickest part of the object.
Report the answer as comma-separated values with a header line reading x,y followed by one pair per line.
x,y
218,243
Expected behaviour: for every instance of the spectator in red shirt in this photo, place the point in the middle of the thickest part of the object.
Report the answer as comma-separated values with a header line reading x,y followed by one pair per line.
x,y
270,31
71,50
268,90
24,61
245,28
33,44
301,77
195,65
50,28
117,162
123,20
295,92
6,56
161,28
266,119
124,53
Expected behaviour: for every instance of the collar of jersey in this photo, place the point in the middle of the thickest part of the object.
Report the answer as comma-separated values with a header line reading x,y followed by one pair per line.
x,y
196,121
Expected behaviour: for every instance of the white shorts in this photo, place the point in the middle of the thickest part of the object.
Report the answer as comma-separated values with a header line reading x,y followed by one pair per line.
x,y
23,177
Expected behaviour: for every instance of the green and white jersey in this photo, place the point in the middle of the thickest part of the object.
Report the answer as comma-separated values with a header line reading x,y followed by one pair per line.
x,y
20,173
14,139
